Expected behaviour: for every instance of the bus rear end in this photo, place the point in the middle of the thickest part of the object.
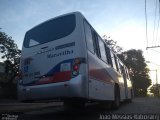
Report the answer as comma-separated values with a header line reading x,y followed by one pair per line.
x,y
53,62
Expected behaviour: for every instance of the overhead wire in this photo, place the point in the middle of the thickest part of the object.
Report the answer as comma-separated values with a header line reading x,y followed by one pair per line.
x,y
155,16
155,50
158,24
146,23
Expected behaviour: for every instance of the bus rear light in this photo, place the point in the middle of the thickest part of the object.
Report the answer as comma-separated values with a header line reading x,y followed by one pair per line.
x,y
75,67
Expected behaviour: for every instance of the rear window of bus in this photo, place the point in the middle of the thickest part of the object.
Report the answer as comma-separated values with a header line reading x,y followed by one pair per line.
x,y
51,30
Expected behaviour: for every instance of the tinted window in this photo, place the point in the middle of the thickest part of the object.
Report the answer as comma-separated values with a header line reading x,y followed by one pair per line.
x,y
89,37
51,30
121,67
127,74
123,72
113,61
102,49
96,44
116,62
108,56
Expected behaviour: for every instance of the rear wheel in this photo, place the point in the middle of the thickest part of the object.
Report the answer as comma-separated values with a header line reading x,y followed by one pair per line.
x,y
116,102
105,105
130,100
74,104
27,101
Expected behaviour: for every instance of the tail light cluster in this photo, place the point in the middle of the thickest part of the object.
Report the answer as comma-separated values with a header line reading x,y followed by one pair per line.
x,y
76,66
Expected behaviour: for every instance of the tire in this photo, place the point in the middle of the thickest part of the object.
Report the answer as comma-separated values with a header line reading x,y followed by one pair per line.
x,y
116,102
27,101
106,105
130,100
74,105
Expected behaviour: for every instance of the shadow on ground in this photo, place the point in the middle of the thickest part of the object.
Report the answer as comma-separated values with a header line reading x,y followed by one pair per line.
x,y
90,112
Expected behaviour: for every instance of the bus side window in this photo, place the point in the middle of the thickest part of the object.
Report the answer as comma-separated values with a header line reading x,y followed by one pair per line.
x,y
121,68
108,54
102,50
89,37
96,44
116,62
127,74
113,60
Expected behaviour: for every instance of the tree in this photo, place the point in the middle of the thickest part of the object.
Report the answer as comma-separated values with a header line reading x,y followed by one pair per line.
x,y
11,55
112,44
138,70
155,89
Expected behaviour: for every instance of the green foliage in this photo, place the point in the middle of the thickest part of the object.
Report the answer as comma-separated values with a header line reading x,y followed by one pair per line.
x,y
135,62
112,44
138,70
155,89
11,55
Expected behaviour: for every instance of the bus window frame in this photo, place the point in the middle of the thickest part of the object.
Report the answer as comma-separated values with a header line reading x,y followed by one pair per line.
x,y
86,23
100,40
108,54
113,60
96,44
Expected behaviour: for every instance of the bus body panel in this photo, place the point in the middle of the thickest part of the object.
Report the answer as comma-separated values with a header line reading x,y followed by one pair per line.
x,y
68,89
47,70
45,59
101,84
129,89
102,79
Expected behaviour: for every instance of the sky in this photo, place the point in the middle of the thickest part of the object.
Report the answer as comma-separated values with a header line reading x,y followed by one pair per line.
x,y
122,20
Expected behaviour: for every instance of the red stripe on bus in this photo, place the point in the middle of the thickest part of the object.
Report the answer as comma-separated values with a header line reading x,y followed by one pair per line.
x,y
58,77
62,76
99,74
98,71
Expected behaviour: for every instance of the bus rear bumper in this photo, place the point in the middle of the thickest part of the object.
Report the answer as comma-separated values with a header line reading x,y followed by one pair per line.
x,y
76,87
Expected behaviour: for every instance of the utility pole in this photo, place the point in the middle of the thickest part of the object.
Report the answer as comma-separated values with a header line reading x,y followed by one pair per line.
x,y
157,86
156,78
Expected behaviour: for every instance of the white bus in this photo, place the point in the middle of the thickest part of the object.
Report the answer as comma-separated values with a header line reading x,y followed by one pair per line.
x,y
64,58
